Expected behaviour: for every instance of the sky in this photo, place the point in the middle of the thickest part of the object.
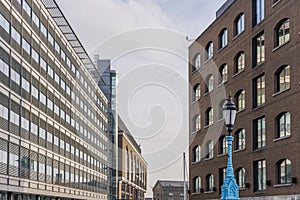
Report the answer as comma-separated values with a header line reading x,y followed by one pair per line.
x,y
146,42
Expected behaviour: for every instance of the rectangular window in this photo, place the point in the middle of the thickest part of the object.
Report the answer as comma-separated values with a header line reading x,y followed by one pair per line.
x,y
50,39
14,118
49,137
4,68
50,104
25,85
15,76
3,112
56,78
260,175
43,29
16,35
34,128
34,92
43,64
258,11
26,46
55,140
25,123
42,98
50,72
35,55
26,8
57,47
36,19
259,133
259,87
42,133
4,23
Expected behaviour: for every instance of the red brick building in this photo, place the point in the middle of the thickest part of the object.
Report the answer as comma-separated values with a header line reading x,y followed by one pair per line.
x,y
252,52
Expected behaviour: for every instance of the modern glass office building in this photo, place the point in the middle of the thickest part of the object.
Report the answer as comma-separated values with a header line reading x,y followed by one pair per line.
x,y
53,115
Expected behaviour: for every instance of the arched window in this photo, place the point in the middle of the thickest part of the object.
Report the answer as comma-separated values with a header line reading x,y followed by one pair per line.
x,y
209,115
239,62
197,62
239,24
241,177
223,73
223,38
209,51
223,145
209,149
197,153
209,83
220,110
196,92
282,32
196,184
240,100
240,141
283,122
196,123
210,182
284,171
283,78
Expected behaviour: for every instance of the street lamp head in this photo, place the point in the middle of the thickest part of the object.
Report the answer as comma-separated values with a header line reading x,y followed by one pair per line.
x,y
229,113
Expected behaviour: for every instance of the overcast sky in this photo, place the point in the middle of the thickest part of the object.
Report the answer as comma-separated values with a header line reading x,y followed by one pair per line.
x,y
145,40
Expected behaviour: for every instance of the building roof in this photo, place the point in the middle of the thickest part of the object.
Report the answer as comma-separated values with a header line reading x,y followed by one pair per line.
x,y
123,129
169,183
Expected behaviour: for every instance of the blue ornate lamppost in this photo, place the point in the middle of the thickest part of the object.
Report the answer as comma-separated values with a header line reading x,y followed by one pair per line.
x,y
230,189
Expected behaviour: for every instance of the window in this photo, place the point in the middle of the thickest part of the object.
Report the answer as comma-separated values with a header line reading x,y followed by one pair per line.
x,y
223,145
3,112
258,11
222,176
209,83
43,29
209,149
240,100
241,177
15,35
14,118
282,32
209,116
284,171
26,46
15,76
210,182
197,62
26,8
36,19
239,24
35,55
223,38
25,85
283,122
220,109
259,91
260,175
224,73
259,49
283,78
196,123
34,92
4,68
50,39
209,51
259,133
197,153
240,141
4,23
196,92
239,62
197,184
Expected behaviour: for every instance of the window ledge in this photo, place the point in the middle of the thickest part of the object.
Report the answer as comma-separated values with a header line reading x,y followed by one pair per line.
x,y
222,155
236,74
206,159
259,149
219,50
239,111
242,188
193,102
282,185
281,138
196,193
260,192
207,126
278,47
259,107
222,84
207,93
220,120
236,36
275,4
196,162
282,91
258,65
239,150
206,61
209,192
194,132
